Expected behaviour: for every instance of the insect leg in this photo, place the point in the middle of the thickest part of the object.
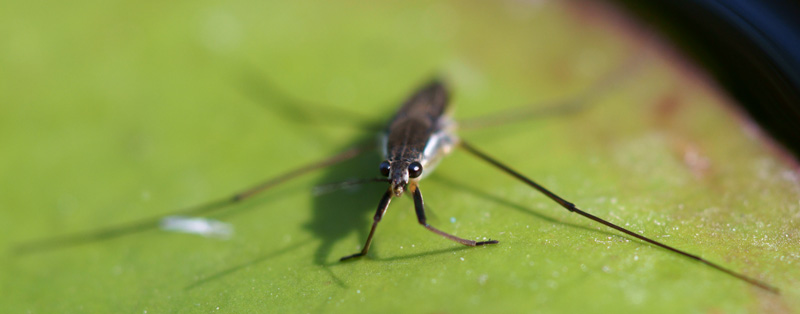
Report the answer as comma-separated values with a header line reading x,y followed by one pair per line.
x,y
570,105
267,93
419,206
572,208
382,206
203,209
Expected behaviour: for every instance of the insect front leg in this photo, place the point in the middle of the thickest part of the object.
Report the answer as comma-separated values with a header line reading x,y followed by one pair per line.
x,y
382,206
419,206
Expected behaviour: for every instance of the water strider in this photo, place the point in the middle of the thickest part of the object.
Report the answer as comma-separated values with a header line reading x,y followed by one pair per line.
x,y
416,139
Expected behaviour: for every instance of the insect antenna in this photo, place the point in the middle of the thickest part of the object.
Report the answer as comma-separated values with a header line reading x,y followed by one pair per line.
x,y
335,186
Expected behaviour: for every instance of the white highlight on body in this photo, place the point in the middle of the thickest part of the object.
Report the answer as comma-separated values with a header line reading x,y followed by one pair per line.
x,y
439,145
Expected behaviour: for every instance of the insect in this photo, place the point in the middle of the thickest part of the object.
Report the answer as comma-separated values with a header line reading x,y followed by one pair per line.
x,y
416,139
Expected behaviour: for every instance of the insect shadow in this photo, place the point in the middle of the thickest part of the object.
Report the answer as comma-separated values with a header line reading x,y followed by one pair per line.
x,y
339,214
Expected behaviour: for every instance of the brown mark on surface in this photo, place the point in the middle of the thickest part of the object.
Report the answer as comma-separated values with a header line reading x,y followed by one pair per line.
x,y
666,110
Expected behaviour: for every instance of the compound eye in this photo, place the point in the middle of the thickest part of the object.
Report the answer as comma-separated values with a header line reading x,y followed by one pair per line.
x,y
414,170
385,167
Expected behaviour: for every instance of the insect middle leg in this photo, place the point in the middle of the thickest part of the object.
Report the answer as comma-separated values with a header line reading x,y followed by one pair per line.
x,y
200,210
419,206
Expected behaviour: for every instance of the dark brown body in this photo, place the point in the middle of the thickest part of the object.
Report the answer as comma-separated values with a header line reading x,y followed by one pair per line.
x,y
419,132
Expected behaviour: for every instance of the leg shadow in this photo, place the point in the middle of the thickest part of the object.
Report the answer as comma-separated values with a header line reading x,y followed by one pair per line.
x,y
452,184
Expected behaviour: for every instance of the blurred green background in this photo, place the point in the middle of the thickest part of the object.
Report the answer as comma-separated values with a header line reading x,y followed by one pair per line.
x,y
116,111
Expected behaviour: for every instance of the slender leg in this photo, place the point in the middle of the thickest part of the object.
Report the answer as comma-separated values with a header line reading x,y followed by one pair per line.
x,y
271,96
419,206
567,106
382,206
572,208
344,156
203,209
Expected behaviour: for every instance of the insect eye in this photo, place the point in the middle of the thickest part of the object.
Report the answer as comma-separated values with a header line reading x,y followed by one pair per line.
x,y
385,167
414,170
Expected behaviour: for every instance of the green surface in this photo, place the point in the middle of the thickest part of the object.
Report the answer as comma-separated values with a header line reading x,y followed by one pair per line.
x,y
115,111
